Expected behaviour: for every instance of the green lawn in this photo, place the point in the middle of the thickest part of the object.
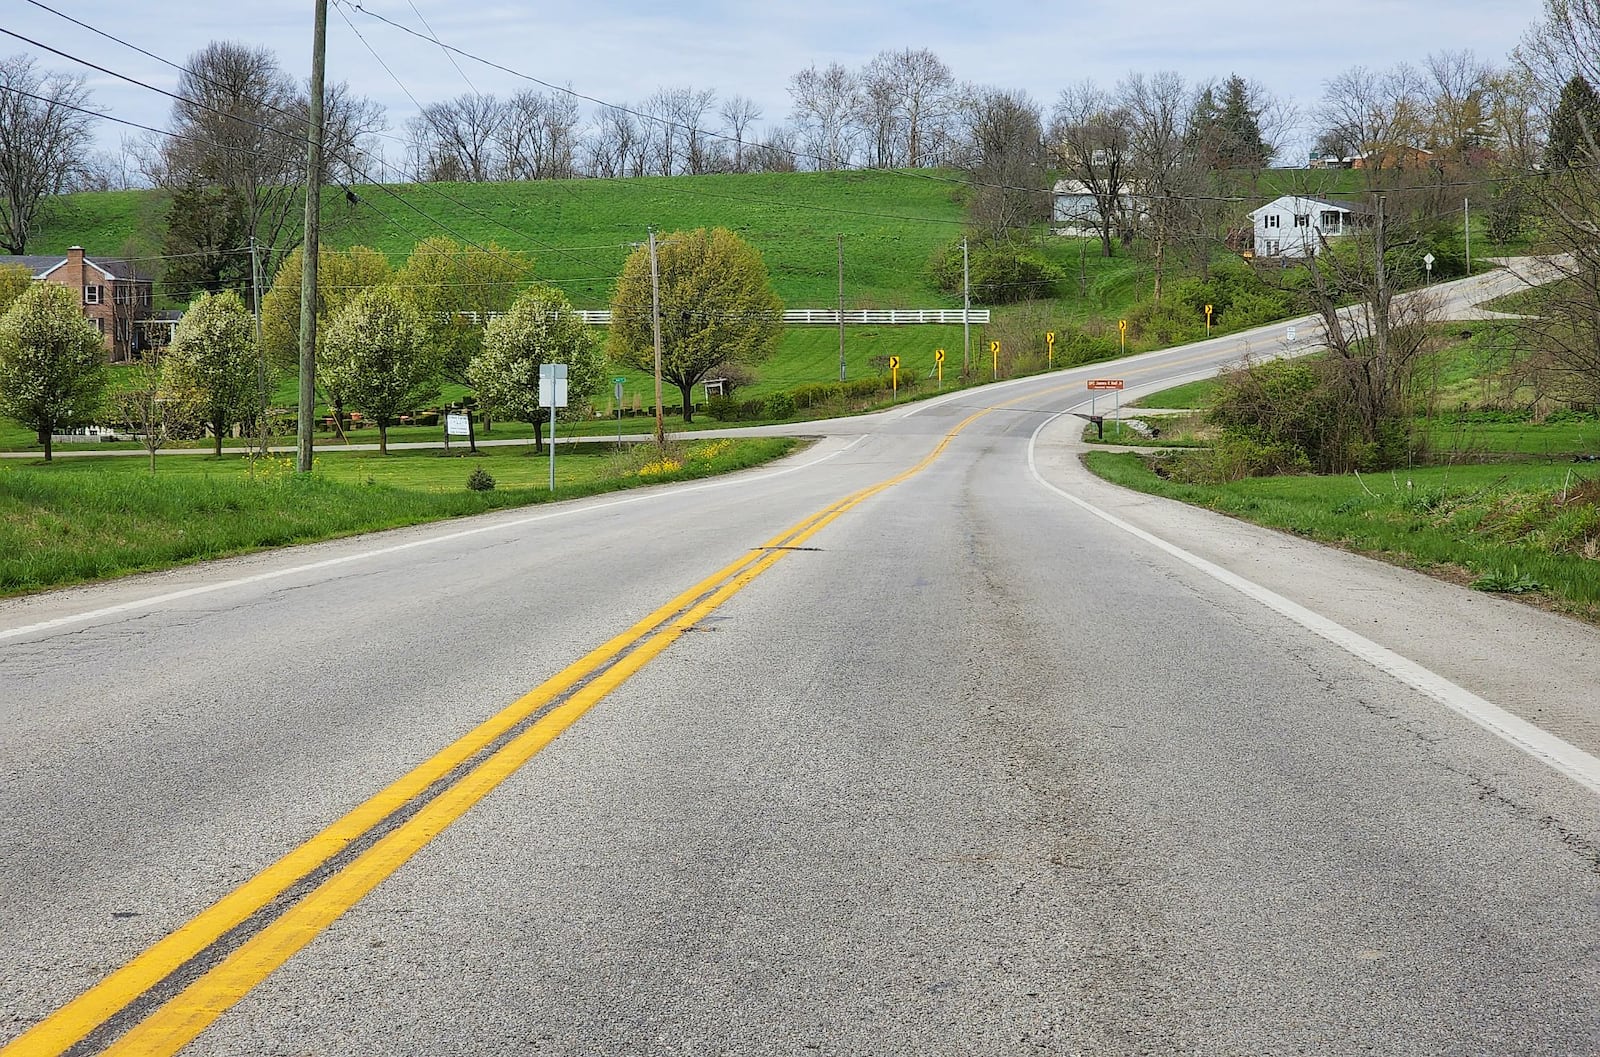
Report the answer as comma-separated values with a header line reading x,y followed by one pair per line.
x,y
1533,526
86,519
1191,394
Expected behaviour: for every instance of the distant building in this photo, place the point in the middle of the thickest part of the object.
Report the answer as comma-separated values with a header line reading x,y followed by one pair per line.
x,y
114,295
1295,227
1076,212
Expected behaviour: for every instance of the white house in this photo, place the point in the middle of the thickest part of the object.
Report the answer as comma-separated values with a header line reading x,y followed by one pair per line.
x,y
1292,226
1076,212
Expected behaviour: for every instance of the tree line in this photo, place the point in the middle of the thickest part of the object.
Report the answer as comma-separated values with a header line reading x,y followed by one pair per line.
x,y
389,337
233,152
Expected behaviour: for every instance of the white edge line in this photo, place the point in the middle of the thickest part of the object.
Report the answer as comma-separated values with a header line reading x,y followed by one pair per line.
x,y
1543,746
344,559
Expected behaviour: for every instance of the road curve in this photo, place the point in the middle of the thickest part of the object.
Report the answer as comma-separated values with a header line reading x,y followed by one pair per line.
x,y
922,741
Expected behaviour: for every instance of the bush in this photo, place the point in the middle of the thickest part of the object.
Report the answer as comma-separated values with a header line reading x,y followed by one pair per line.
x,y
1234,458
865,389
778,406
480,480
1000,272
726,409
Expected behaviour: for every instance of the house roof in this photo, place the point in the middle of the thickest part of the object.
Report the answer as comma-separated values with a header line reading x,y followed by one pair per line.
x,y
1302,202
110,267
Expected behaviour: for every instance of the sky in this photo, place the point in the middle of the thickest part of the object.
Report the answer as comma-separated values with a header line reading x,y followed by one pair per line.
x,y
620,51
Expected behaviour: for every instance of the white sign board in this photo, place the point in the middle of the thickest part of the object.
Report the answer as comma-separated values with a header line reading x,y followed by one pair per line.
x,y
457,426
552,385
1291,334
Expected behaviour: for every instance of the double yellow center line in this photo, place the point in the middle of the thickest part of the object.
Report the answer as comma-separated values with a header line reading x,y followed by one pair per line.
x,y
167,995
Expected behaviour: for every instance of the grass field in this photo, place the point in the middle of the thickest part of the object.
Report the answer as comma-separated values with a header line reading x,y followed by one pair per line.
x,y
1530,529
82,519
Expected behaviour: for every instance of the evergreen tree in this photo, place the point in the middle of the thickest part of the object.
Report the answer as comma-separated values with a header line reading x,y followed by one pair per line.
x,y
207,234
1242,145
1575,126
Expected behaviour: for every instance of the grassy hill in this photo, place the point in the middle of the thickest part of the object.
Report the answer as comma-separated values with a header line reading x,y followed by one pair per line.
x,y
579,232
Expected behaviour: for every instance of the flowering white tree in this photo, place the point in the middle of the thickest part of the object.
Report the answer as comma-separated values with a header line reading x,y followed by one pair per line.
x,y
378,359
213,360
52,362
540,328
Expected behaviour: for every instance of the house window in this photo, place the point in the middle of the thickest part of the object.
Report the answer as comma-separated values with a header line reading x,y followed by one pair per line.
x,y
1271,220
100,325
92,294
1302,220
144,297
1332,222
1272,247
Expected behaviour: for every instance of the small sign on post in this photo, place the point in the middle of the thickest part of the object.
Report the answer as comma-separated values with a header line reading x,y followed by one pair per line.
x,y
1050,349
994,359
894,378
1208,321
616,396
1114,384
1122,329
938,363
552,395
459,424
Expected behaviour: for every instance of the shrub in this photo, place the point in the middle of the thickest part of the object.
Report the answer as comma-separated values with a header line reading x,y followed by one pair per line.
x,y
726,409
1000,272
480,480
779,406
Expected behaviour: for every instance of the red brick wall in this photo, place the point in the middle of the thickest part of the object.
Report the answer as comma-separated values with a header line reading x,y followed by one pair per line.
x,y
118,304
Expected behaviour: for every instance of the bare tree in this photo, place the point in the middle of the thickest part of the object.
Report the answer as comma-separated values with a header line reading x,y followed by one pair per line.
x,y
776,152
739,115
660,142
350,123
1376,344
910,94
701,146
826,103
1563,43
1164,168
456,139
239,126
235,127
538,139
1089,138
610,144
1377,116
43,143
1565,339
1458,117
1005,161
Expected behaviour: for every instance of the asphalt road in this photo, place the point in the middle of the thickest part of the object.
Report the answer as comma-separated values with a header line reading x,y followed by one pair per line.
x,y
994,760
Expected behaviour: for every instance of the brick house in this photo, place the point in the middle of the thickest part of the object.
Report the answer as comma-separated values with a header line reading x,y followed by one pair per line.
x,y
114,295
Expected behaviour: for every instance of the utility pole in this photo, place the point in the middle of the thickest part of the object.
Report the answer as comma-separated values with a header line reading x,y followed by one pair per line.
x,y
1466,229
840,240
655,324
966,312
1381,302
261,349
308,270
